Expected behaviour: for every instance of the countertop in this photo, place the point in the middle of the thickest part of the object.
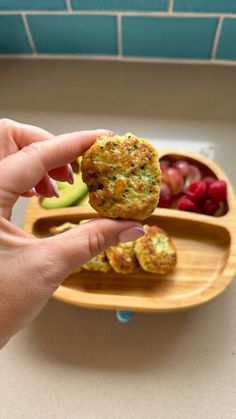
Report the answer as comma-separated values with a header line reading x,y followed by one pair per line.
x,y
77,363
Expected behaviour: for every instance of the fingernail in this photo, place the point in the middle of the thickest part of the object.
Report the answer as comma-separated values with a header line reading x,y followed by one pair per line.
x,y
35,192
70,176
108,131
130,234
54,188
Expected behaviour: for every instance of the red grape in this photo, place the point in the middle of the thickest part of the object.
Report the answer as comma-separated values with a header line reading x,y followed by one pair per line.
x,y
182,166
194,174
175,180
164,167
165,196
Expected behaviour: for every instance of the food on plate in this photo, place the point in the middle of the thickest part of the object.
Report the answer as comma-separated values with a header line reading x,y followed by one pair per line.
x,y
123,177
61,228
175,180
185,188
122,258
196,190
194,174
209,206
218,190
98,263
186,204
84,202
208,180
155,251
183,167
166,196
69,194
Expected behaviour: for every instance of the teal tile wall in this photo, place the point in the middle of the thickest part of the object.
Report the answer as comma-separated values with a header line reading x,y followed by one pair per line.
x,y
137,5
68,34
120,29
227,48
166,37
32,4
12,30
213,6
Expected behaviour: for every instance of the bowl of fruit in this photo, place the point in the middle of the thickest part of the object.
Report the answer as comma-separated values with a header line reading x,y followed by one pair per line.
x,y
189,185
197,209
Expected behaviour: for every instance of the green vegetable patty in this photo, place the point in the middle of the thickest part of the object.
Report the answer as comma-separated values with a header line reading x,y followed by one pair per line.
x,y
123,177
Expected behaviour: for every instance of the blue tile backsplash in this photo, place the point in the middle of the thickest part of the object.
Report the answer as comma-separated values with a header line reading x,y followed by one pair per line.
x,y
217,6
12,30
150,36
227,48
74,34
33,5
185,30
136,5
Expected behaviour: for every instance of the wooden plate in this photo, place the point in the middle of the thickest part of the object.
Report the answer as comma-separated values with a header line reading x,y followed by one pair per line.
x,y
206,251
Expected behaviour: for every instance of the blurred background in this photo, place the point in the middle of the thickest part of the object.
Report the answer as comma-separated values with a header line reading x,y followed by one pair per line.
x,y
165,70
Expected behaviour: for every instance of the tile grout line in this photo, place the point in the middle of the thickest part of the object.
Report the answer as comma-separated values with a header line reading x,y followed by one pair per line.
x,y
28,33
170,6
68,5
217,38
82,57
115,13
119,35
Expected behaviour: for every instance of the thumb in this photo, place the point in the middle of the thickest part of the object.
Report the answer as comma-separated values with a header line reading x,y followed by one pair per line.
x,y
61,254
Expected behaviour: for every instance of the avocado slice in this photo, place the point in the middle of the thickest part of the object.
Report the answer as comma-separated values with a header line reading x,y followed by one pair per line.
x,y
83,202
68,195
61,185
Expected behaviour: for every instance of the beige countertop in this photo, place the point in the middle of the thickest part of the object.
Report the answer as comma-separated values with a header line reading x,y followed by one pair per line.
x,y
76,363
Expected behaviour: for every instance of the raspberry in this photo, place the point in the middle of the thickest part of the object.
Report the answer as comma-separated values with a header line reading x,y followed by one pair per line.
x,y
185,204
196,190
209,206
218,190
165,196
208,181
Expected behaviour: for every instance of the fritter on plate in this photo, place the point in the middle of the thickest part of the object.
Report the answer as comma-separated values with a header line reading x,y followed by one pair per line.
x,y
155,251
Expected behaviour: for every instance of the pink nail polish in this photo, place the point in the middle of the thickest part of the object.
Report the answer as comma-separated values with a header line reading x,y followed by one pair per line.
x,y
70,176
35,192
131,234
54,188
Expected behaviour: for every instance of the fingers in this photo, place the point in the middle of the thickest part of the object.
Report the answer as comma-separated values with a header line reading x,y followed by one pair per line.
x,y
22,134
15,136
31,269
30,193
47,187
25,169
63,174
77,246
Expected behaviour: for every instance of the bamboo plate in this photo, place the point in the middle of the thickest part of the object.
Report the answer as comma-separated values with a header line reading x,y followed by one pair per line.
x,y
206,251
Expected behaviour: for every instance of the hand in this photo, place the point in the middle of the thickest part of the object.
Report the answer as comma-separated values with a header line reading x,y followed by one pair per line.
x,y
31,269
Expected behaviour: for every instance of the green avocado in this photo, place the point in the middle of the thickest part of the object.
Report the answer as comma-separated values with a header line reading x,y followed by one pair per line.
x,y
68,194
83,202
61,185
